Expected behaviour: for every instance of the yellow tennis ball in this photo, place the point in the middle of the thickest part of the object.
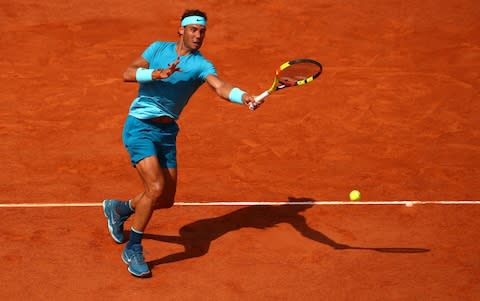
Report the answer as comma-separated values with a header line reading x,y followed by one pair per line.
x,y
355,195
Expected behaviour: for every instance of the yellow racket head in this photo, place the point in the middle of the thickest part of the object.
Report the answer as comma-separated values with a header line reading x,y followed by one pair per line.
x,y
292,73
298,72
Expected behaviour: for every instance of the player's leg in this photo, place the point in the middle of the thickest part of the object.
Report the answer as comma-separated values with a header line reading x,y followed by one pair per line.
x,y
160,186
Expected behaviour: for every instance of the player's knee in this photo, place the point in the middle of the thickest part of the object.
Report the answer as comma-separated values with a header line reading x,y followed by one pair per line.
x,y
161,199
161,196
154,192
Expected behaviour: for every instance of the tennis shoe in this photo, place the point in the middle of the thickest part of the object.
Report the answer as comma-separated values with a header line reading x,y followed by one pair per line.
x,y
133,257
114,220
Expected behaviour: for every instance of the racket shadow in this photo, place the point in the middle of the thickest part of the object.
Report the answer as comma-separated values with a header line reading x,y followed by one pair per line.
x,y
197,237
392,250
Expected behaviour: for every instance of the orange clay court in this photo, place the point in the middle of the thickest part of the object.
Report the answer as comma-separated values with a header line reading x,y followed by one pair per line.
x,y
395,114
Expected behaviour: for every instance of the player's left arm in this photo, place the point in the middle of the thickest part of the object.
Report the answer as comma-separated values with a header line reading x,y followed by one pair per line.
x,y
223,89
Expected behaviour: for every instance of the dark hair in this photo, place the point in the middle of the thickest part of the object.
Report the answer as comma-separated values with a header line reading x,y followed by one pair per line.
x,y
193,12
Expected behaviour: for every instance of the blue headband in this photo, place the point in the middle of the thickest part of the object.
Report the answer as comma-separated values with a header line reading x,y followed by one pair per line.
x,y
194,20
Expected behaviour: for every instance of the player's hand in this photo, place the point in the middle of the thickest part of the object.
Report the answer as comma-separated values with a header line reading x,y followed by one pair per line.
x,y
249,101
165,73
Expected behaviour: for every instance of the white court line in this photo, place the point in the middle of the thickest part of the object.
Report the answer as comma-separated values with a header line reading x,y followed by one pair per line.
x,y
327,203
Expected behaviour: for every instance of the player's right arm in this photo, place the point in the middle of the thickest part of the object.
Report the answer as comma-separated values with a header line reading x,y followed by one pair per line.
x,y
130,74
223,89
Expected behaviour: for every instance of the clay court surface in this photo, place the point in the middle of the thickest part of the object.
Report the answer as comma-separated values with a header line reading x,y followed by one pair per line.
x,y
395,114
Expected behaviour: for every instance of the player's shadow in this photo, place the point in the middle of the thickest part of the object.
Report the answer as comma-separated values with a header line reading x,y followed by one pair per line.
x,y
196,237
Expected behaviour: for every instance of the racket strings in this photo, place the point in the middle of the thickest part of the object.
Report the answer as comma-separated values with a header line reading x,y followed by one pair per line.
x,y
297,72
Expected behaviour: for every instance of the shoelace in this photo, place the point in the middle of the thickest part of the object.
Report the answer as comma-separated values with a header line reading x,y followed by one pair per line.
x,y
117,218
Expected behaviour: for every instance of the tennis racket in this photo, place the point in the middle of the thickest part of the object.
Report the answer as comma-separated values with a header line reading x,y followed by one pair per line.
x,y
290,74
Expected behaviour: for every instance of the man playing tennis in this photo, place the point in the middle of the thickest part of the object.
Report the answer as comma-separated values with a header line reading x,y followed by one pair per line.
x,y
168,74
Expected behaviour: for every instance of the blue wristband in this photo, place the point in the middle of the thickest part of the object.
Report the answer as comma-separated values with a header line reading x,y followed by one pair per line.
x,y
236,95
144,75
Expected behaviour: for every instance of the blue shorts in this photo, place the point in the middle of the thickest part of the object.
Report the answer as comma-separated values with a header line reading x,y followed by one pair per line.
x,y
144,138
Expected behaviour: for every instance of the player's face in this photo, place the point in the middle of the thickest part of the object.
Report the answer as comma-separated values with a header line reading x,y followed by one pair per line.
x,y
193,36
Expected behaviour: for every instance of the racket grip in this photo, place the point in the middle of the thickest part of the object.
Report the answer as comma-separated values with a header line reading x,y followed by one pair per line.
x,y
258,100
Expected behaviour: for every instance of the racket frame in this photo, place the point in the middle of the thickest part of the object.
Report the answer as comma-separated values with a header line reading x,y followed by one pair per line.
x,y
275,85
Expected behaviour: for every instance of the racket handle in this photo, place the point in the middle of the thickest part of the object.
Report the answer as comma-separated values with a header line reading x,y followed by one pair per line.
x,y
258,100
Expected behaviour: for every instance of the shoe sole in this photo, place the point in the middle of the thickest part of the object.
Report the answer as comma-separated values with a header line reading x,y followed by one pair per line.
x,y
110,228
141,275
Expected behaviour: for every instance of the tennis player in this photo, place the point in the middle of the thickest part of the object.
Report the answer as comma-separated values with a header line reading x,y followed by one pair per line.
x,y
168,73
